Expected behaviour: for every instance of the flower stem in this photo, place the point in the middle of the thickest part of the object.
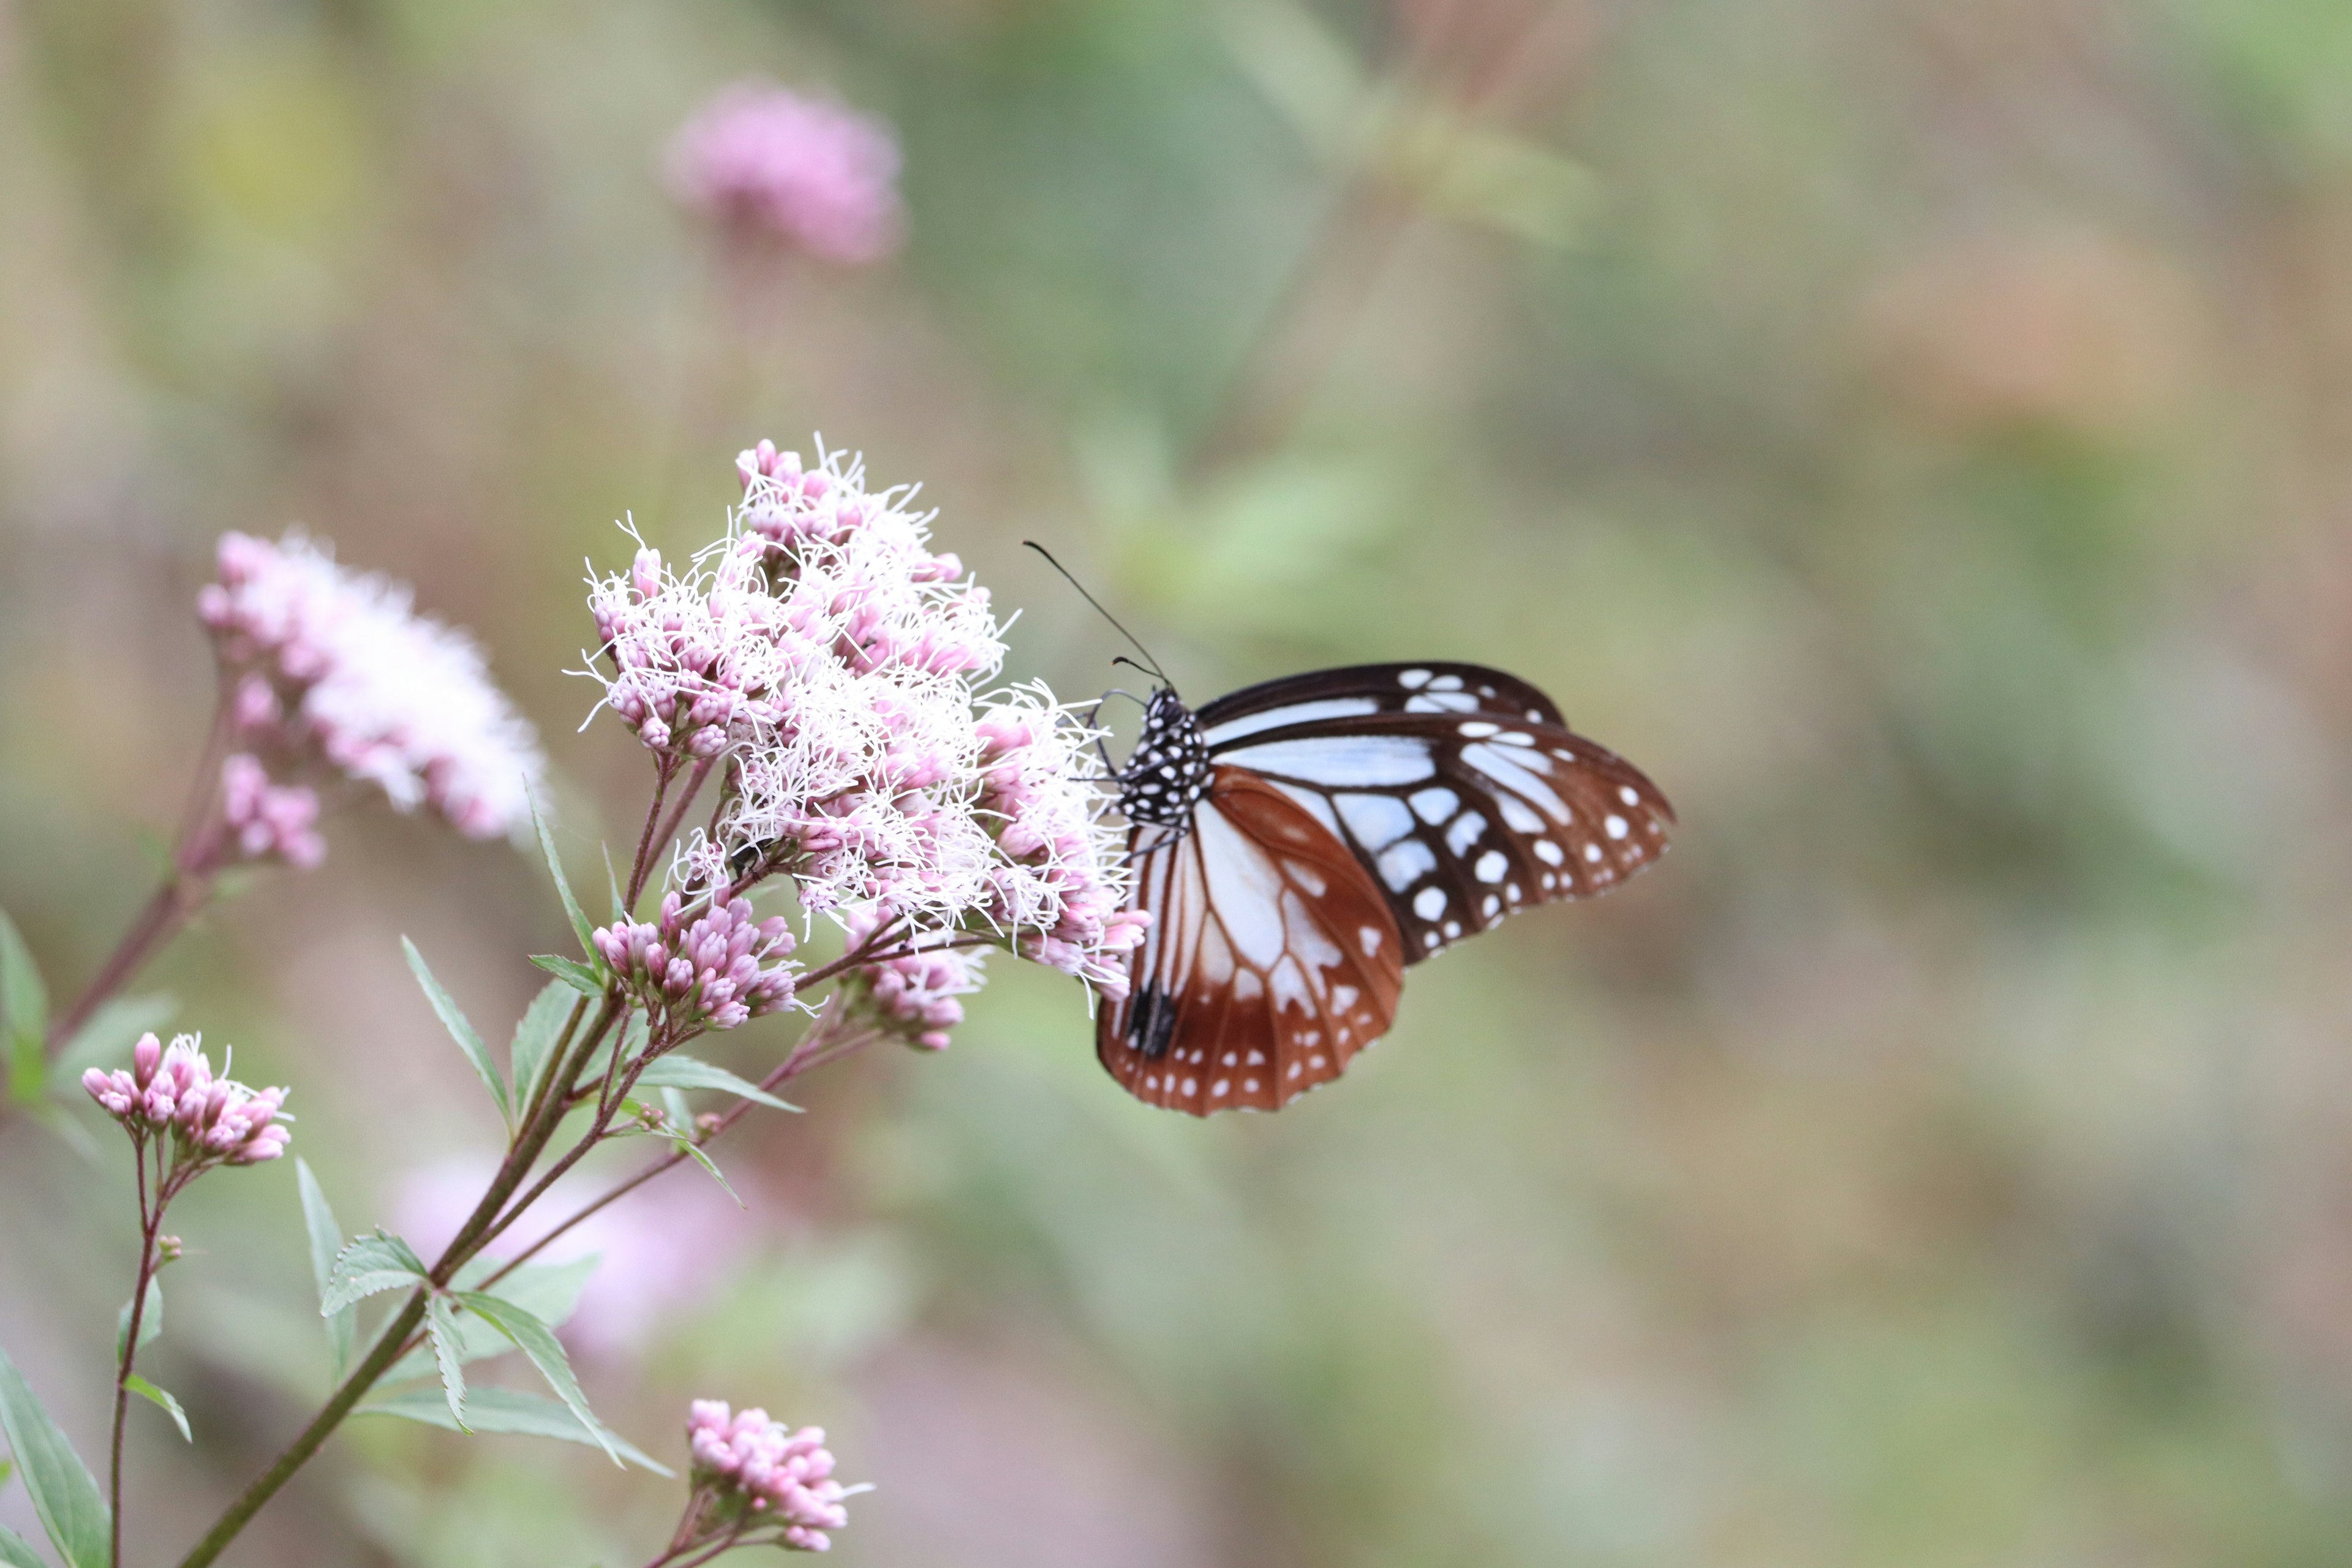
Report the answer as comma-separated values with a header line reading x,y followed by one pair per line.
x,y
151,1220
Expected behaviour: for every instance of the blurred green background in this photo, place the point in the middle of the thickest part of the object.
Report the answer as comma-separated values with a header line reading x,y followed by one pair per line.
x,y
1914,430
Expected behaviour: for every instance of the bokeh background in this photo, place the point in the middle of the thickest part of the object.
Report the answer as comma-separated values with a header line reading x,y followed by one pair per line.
x,y
1919,432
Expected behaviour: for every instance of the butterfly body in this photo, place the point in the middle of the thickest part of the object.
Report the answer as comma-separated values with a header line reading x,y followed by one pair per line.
x,y
1299,843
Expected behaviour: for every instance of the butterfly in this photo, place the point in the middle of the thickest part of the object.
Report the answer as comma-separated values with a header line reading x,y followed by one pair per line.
x,y
1299,843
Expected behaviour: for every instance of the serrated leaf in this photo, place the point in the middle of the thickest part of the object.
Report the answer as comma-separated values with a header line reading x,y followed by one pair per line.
x,y
326,1241
64,1495
17,1553
448,1358
460,1030
672,1070
548,1291
571,910
146,1390
368,1264
577,975
24,1015
506,1410
546,1353
106,1040
150,1319
531,1056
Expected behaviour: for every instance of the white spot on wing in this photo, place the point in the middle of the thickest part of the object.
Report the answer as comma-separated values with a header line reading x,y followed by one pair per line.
x,y
1510,770
1371,937
1376,820
1429,903
1517,815
1465,832
1413,679
1244,888
1492,865
1340,761
1292,713
1615,825
1548,852
1406,863
1479,730
1317,806
1435,804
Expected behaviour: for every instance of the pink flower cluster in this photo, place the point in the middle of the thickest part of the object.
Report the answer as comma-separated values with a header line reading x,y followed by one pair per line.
x,y
834,661
269,821
214,1121
334,665
718,969
806,170
913,997
767,1472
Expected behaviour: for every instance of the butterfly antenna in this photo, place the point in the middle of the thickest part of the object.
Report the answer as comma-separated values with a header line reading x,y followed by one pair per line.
x,y
1150,666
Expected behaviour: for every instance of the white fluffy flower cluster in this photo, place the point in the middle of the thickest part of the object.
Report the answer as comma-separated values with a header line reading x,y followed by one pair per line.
x,y
835,663
335,663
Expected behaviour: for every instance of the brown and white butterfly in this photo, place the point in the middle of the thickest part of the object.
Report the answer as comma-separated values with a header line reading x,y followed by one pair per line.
x,y
1301,842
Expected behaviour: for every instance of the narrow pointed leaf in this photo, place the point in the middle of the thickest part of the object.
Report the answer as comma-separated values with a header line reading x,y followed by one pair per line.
x,y
532,1054
460,1030
146,1390
150,1319
367,1266
17,1553
674,1071
24,1015
506,1410
687,1147
571,910
326,1241
64,1495
106,1040
548,1291
577,975
621,911
546,1353
441,1329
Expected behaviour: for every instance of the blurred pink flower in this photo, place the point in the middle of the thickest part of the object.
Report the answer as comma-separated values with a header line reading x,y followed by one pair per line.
x,y
335,664
760,1473
807,170
269,821
663,1247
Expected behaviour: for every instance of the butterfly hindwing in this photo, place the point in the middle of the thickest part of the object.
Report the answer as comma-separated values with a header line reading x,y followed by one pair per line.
x,y
1272,958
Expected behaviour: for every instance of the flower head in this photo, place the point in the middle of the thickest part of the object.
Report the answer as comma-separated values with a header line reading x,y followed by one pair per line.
x,y
172,1091
717,969
807,170
833,662
913,997
335,664
269,821
760,1473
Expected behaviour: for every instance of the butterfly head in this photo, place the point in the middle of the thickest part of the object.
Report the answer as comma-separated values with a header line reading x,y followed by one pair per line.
x,y
1168,772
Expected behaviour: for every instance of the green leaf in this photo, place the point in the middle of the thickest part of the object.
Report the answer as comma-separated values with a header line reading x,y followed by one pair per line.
x,y
106,1040
532,1055
17,1553
546,1353
150,1319
441,1328
579,976
571,911
25,1007
326,1241
146,1390
460,1031
64,1495
371,1263
548,1291
613,886
7,1469
687,1147
506,1410
674,1071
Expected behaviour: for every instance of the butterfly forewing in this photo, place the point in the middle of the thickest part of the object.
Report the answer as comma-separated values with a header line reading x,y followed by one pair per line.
x,y
1463,821
1273,957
